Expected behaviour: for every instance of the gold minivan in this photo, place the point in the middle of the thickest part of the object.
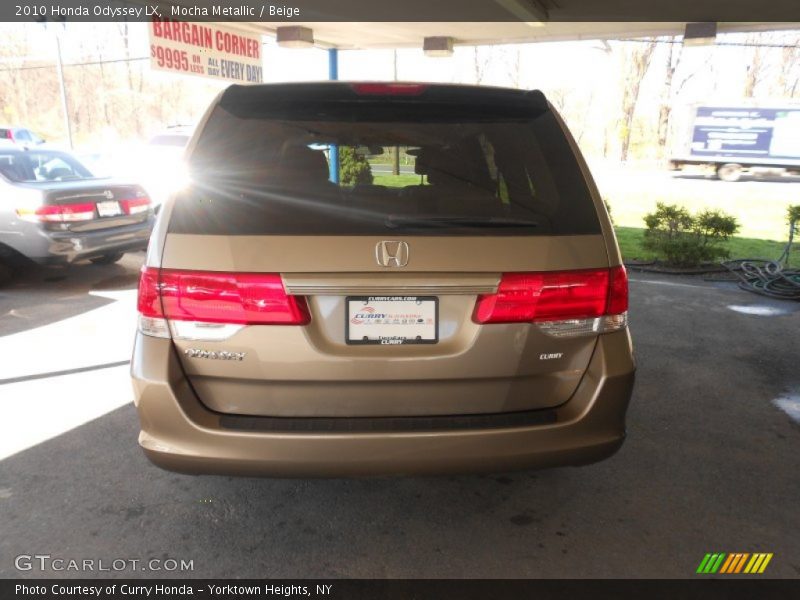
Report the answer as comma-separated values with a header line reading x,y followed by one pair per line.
x,y
382,278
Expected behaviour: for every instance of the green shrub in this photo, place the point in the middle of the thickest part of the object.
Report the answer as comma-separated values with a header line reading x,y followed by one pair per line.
x,y
793,214
608,210
681,239
353,168
793,217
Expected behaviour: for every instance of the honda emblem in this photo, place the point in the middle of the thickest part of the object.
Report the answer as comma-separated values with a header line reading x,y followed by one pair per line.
x,y
391,253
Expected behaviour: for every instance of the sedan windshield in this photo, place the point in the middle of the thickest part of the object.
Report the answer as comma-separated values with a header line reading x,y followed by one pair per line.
x,y
41,165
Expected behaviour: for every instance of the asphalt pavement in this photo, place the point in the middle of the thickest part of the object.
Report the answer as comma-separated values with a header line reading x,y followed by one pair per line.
x,y
710,464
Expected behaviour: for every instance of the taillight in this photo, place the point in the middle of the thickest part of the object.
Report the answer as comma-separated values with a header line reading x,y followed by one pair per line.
x,y
617,291
584,300
58,213
134,206
389,89
208,300
148,301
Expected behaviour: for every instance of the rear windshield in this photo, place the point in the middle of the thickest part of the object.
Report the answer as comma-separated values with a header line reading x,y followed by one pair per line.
x,y
41,165
438,175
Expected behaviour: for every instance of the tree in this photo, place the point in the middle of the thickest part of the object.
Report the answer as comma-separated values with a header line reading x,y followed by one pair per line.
x,y
559,97
755,65
788,81
112,94
481,59
513,63
672,60
353,167
636,60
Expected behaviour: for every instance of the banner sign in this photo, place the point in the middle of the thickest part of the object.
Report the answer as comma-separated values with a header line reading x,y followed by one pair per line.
x,y
205,49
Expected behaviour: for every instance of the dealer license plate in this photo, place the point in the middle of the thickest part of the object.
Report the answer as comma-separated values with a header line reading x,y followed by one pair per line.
x,y
392,320
109,208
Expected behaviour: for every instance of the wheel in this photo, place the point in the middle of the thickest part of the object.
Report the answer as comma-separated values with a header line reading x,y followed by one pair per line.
x,y
729,172
108,259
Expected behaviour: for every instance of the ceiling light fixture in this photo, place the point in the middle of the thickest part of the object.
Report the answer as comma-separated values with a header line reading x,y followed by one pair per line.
x,y
438,46
295,37
700,34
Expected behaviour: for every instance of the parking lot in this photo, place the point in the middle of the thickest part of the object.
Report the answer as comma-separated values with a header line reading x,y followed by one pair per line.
x,y
710,464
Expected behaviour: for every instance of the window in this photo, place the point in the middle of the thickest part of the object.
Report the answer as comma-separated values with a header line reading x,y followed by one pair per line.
x,y
32,166
457,177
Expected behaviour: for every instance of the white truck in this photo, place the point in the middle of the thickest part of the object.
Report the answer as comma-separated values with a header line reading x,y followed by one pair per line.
x,y
734,140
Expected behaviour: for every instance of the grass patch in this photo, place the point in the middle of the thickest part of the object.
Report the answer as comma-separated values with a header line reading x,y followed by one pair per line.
x,y
401,180
630,244
759,206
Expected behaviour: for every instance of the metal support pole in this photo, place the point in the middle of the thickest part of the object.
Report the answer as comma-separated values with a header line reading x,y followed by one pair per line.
x,y
64,105
333,75
396,153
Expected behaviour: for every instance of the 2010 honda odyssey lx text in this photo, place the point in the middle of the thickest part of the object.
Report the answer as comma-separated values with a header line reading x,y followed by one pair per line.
x,y
377,278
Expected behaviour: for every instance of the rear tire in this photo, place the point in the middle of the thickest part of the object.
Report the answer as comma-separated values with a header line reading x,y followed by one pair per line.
x,y
108,259
729,172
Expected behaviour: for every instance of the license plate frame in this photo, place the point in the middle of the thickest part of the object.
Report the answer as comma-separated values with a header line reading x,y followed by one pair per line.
x,y
386,303
109,208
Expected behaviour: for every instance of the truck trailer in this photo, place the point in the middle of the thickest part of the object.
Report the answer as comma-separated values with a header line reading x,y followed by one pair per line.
x,y
738,140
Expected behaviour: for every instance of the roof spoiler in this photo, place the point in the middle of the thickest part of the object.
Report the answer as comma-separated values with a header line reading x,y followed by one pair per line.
x,y
260,100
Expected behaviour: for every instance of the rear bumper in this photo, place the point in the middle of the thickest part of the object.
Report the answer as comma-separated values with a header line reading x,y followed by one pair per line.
x,y
178,433
56,247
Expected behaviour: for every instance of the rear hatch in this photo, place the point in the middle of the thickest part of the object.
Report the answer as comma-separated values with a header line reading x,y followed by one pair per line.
x,y
457,266
92,205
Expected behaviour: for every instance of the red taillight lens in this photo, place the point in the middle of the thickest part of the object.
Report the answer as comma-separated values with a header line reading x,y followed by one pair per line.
x,y
618,291
552,296
149,302
389,89
58,213
133,206
210,297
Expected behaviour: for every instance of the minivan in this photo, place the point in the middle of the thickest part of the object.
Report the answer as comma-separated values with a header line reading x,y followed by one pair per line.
x,y
382,278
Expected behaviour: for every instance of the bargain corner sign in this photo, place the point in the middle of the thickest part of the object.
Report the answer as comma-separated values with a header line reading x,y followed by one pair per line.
x,y
205,49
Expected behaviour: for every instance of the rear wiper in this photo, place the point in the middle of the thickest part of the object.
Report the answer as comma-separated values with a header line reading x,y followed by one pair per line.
x,y
445,221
